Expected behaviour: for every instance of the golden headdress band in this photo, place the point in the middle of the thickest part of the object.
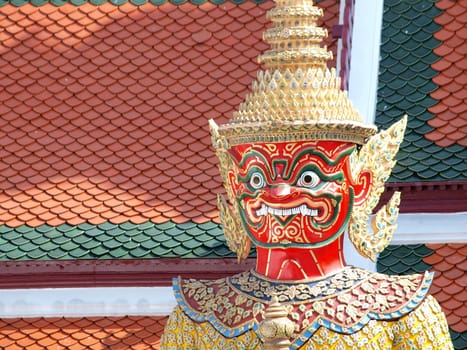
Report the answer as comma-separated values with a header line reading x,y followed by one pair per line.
x,y
297,97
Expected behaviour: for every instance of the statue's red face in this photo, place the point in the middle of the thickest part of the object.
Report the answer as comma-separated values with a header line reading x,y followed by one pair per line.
x,y
293,193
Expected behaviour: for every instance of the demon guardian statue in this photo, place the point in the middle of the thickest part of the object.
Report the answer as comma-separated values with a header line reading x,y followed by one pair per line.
x,y
300,168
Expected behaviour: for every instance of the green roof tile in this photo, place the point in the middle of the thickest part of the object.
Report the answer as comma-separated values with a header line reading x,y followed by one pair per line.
x,y
10,235
112,241
15,254
190,244
172,243
2,241
93,232
57,254
123,238
28,247
49,246
403,259
163,252
19,241
42,228
24,229
133,232
7,247
103,237
99,251
86,226
459,340
91,244
112,244
139,252
202,252
179,250
61,240
149,244
79,252
68,246
142,237
81,239
130,245
405,84
37,254
119,253
31,235
152,231
163,237
74,232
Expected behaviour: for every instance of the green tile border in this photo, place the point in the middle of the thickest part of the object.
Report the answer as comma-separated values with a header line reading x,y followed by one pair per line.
x,y
113,241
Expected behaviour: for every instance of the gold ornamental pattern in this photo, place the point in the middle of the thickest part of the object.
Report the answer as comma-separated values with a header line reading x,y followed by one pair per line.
x,y
345,302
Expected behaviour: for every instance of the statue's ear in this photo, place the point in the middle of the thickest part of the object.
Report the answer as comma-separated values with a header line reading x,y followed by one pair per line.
x,y
370,168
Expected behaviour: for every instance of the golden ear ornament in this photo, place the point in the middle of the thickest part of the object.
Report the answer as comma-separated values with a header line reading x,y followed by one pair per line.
x,y
236,237
376,157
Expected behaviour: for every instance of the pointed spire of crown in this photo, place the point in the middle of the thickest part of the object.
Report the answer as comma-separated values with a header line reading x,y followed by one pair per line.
x,y
295,37
297,97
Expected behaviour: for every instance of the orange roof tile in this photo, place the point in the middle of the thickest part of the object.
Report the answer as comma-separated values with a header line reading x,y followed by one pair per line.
x,y
132,333
450,122
449,261
104,108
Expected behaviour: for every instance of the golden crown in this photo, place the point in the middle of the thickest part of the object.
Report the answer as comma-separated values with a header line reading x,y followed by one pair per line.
x,y
297,97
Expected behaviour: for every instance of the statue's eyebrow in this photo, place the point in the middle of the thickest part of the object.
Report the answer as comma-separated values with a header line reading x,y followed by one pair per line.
x,y
250,154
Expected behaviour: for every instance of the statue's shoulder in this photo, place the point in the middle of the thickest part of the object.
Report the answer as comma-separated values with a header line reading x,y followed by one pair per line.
x,y
344,302
215,301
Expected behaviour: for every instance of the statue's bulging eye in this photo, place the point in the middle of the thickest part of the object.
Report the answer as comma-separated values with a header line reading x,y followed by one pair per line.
x,y
257,181
309,179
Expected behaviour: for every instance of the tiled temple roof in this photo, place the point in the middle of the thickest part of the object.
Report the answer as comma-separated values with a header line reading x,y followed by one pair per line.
x,y
105,108
95,333
450,122
418,70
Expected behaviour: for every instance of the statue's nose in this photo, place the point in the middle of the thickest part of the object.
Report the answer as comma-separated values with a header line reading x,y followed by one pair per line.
x,y
280,190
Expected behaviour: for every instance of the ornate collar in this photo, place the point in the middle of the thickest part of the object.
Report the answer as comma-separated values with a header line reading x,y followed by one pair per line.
x,y
344,302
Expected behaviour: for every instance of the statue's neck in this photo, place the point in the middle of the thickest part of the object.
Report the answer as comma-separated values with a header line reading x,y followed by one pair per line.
x,y
297,264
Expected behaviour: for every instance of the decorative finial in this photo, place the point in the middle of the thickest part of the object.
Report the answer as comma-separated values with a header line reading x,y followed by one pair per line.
x,y
295,37
276,328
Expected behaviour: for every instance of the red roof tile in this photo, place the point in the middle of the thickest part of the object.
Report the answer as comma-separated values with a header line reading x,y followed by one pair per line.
x,y
451,110
104,109
449,261
82,333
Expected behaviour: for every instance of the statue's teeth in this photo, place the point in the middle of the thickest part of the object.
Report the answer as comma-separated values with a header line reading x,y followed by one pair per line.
x,y
302,209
